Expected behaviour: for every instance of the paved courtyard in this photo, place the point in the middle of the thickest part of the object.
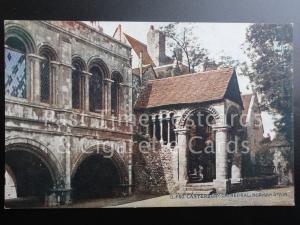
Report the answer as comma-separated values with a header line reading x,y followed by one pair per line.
x,y
279,196
265,197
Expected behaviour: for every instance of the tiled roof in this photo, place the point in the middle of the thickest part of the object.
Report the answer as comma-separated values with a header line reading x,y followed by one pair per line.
x,y
246,103
191,88
140,47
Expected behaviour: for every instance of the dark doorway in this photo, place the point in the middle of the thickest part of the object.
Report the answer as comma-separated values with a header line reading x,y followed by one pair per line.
x,y
201,148
32,176
96,177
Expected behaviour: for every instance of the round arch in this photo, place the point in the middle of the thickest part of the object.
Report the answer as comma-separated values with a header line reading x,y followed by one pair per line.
x,y
232,116
40,151
98,62
189,112
77,60
116,75
94,175
14,30
96,149
46,48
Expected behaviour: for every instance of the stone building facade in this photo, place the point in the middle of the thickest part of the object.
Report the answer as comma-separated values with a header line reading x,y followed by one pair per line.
x,y
68,107
173,106
81,123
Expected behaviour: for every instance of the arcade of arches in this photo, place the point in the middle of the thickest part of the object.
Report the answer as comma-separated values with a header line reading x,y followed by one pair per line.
x,y
201,143
32,178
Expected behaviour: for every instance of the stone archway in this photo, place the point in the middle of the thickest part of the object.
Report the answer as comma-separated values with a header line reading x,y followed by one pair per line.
x,y
201,156
10,183
34,167
209,110
97,174
199,173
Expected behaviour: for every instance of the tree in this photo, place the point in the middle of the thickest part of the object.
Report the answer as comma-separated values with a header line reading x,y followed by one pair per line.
x,y
182,38
195,56
269,48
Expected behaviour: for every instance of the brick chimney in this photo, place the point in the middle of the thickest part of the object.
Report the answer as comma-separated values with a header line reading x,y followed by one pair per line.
x,y
156,46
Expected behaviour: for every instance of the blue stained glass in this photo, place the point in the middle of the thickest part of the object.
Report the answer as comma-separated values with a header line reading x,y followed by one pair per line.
x,y
15,73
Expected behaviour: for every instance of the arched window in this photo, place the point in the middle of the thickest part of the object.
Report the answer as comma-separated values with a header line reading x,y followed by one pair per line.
x,y
45,79
116,93
15,68
77,85
96,89
46,74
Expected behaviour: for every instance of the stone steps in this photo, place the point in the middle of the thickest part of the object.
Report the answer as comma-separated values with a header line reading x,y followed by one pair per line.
x,y
202,192
199,188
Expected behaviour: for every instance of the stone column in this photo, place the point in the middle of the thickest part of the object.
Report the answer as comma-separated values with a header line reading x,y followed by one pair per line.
x,y
107,96
168,138
182,156
161,128
67,170
86,94
221,183
154,128
122,98
35,88
237,163
63,80
54,84
130,168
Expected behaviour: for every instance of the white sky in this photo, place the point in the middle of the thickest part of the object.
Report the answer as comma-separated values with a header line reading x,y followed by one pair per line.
x,y
219,38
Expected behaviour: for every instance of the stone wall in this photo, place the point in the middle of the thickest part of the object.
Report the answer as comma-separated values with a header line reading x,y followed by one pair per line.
x,y
154,169
55,126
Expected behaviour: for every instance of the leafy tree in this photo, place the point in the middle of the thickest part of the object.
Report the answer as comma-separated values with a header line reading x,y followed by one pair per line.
x,y
269,48
227,61
181,37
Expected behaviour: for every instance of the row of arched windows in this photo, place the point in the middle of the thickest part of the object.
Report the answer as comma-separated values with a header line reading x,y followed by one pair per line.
x,y
16,52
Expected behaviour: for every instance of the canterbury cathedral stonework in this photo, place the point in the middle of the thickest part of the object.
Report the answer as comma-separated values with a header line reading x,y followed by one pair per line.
x,y
81,121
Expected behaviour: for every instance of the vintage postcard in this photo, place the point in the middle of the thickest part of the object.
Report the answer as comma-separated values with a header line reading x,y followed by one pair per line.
x,y
142,114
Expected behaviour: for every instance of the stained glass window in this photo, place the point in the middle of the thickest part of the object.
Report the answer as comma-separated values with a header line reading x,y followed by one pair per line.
x,y
15,73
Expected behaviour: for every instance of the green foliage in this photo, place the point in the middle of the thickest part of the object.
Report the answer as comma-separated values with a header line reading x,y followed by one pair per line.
x,y
182,37
264,157
194,55
269,48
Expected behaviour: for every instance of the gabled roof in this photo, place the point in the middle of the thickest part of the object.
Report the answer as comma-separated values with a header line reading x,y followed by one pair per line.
x,y
191,88
140,47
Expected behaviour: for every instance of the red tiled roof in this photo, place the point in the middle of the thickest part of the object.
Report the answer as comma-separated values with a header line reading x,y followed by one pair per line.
x,y
140,47
191,88
246,103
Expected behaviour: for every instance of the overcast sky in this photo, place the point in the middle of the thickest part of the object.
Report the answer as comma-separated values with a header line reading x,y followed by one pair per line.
x,y
219,38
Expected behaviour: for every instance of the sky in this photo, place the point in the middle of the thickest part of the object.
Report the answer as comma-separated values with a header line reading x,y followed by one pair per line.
x,y
218,38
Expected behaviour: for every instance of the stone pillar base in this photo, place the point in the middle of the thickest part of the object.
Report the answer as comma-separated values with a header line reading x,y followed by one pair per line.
x,y
68,199
182,186
50,200
236,181
222,186
236,184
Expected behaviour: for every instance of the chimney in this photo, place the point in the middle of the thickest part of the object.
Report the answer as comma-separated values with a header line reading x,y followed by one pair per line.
x,y
209,65
156,46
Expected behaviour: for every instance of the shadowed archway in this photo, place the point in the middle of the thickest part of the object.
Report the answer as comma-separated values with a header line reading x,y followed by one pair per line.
x,y
98,175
